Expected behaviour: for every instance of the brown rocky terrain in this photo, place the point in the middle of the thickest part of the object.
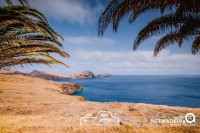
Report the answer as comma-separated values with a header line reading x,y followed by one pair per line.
x,y
84,74
48,76
57,76
30,104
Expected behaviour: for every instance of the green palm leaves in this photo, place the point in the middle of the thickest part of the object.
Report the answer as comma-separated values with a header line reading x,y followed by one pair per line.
x,y
26,37
180,20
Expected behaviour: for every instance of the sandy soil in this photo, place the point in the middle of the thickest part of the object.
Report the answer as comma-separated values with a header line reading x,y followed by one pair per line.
x,y
29,104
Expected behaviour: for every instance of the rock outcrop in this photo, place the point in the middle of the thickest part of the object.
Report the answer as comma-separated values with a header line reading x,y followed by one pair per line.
x,y
103,75
69,88
84,74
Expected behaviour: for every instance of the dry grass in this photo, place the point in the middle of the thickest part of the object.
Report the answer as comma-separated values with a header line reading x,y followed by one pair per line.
x,y
29,104
117,129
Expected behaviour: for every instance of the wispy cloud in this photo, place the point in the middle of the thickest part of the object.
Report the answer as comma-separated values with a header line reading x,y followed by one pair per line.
x,y
67,10
89,40
141,62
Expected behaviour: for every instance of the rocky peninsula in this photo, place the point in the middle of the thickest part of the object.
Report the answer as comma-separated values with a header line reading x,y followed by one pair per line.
x,y
57,76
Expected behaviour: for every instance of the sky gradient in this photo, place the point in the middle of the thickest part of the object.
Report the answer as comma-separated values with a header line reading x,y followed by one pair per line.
x,y
76,21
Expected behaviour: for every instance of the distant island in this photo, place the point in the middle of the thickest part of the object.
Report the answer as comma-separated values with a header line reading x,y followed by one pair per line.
x,y
57,76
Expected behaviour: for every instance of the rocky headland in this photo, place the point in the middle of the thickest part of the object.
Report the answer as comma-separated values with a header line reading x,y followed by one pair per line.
x,y
57,76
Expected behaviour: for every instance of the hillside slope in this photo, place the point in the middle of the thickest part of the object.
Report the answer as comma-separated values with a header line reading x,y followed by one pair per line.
x,y
29,104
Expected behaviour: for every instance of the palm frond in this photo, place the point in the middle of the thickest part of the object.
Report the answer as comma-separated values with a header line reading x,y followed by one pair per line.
x,y
9,2
162,24
29,60
106,16
24,10
22,2
196,45
13,51
180,19
117,9
26,37
167,40
49,30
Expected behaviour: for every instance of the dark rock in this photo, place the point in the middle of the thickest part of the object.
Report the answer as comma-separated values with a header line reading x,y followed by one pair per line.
x,y
121,123
132,109
69,88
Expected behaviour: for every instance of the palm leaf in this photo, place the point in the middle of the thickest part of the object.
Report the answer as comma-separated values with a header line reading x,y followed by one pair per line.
x,y
22,2
34,47
170,22
26,37
29,60
180,20
196,45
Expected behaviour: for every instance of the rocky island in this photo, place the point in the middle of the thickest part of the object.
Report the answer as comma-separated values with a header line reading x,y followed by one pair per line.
x,y
103,75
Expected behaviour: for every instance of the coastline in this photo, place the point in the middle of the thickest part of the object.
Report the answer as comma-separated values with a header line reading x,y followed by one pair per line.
x,y
30,104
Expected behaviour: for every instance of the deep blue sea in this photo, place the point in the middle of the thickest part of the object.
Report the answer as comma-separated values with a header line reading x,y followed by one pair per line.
x,y
162,90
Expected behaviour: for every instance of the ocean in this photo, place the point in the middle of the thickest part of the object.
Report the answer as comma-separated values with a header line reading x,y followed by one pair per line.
x,y
161,90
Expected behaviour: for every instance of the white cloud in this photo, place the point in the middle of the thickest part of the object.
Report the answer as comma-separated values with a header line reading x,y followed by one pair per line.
x,y
67,10
139,62
91,40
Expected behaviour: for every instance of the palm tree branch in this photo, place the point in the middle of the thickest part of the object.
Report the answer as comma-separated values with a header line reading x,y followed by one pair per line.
x,y
196,45
162,24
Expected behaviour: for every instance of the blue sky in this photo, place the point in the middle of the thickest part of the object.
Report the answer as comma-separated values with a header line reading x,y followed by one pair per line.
x,y
76,21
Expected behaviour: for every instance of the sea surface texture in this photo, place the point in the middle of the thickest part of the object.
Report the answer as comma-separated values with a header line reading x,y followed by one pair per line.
x,y
162,90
